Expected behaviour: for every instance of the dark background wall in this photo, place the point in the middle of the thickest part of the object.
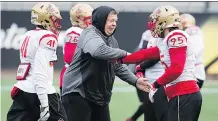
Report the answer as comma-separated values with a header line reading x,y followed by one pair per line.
x,y
131,25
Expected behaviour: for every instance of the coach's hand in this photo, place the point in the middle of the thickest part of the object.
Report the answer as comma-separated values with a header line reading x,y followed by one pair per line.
x,y
143,84
44,114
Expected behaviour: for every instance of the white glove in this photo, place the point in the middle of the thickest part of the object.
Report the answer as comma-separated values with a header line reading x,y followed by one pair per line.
x,y
44,113
151,94
128,53
44,107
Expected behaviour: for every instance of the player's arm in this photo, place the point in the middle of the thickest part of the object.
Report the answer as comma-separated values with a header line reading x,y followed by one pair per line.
x,y
97,48
71,40
177,50
122,71
46,49
141,55
148,63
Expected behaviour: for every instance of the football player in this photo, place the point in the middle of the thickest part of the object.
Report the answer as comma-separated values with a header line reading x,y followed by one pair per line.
x,y
152,70
196,36
178,58
34,96
81,18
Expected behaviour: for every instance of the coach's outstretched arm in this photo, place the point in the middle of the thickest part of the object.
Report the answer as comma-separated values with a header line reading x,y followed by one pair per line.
x,y
97,48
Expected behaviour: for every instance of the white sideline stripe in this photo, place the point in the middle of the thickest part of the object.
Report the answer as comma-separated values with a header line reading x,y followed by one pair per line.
x,y
121,89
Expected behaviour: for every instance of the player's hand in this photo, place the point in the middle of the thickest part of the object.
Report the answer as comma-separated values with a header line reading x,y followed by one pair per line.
x,y
44,113
143,84
140,71
138,68
151,94
139,74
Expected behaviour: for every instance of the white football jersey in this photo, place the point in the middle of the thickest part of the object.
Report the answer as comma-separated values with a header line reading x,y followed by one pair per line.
x,y
146,36
175,39
72,34
38,48
157,70
196,38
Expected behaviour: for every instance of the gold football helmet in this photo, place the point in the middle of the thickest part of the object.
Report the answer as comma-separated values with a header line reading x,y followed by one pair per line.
x,y
47,15
163,17
81,15
187,20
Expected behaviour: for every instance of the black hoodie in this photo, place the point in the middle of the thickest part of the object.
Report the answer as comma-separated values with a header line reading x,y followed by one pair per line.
x,y
99,18
91,72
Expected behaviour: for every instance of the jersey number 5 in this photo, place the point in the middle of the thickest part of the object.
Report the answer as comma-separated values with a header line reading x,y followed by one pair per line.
x,y
23,48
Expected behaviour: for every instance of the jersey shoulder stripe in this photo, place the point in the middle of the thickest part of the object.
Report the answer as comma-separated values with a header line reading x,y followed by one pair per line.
x,y
46,36
177,38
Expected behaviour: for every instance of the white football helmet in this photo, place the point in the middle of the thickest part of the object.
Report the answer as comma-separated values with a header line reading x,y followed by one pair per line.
x,y
187,20
47,15
81,15
163,17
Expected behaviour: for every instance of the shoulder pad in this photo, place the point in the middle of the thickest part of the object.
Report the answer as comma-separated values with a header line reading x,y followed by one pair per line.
x,y
176,39
72,37
48,41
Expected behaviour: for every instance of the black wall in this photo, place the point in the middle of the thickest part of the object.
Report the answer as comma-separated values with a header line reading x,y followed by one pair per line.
x,y
131,25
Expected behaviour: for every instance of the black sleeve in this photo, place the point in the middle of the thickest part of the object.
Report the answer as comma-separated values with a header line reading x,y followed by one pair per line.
x,y
144,45
148,63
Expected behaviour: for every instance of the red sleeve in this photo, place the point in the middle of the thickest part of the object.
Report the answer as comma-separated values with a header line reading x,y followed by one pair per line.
x,y
141,55
177,58
62,76
69,50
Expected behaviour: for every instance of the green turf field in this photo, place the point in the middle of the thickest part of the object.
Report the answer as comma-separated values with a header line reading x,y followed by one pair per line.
x,y
124,101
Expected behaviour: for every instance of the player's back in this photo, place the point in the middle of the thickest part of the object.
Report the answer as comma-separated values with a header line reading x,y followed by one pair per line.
x,y
73,30
177,39
70,38
196,38
30,43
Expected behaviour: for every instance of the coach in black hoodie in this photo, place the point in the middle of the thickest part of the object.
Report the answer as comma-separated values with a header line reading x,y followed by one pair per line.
x,y
88,81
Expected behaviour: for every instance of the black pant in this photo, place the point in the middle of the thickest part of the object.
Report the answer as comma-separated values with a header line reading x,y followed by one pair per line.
x,y
200,83
185,107
141,108
141,95
80,109
26,107
156,111
60,90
